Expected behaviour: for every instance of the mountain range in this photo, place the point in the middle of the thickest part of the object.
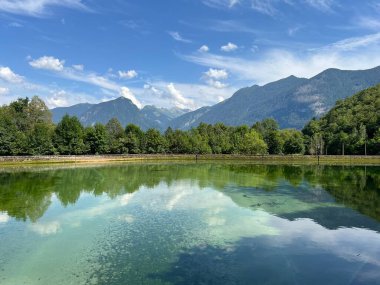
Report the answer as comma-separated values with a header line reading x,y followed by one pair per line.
x,y
124,110
292,101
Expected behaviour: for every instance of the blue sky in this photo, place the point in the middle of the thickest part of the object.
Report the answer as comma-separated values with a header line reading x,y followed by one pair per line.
x,y
183,53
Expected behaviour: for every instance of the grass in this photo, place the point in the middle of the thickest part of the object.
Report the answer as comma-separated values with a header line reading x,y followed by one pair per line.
x,y
270,159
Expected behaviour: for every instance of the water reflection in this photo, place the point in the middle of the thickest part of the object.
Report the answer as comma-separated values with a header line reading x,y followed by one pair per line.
x,y
27,195
190,224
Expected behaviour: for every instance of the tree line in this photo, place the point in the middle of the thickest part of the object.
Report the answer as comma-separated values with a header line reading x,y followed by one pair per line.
x,y
26,128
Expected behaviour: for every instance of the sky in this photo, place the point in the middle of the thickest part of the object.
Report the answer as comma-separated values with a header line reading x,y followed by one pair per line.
x,y
176,53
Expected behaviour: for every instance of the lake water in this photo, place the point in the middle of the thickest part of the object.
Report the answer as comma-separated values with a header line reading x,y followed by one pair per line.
x,y
205,223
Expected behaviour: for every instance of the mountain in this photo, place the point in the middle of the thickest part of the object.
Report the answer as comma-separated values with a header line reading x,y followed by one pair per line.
x,y
122,109
76,110
291,101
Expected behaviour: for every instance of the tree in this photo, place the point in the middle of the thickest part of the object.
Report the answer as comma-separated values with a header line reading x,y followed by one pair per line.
x,y
135,141
293,142
317,144
253,143
116,136
96,139
40,139
268,128
155,142
69,135
179,142
8,131
198,143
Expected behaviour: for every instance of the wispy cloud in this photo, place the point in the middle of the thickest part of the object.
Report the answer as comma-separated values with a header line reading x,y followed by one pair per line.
x,y
229,26
351,53
270,7
323,5
38,8
264,6
354,43
221,3
369,23
176,36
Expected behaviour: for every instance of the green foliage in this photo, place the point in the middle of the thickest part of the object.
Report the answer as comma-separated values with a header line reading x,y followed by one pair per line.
x,y
155,142
116,136
26,128
351,126
293,142
268,128
253,143
135,141
69,135
96,139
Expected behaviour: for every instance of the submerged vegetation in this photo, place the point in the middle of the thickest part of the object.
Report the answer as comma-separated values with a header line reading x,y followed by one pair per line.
x,y
27,195
351,127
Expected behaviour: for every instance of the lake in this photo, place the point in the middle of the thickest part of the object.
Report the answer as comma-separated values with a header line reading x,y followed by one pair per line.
x,y
188,223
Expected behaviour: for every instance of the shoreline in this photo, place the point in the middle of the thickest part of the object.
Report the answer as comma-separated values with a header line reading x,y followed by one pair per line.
x,y
268,159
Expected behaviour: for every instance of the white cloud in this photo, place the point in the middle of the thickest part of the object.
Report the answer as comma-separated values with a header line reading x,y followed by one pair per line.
x,y
352,53
179,100
216,83
176,36
79,67
3,91
128,74
8,75
203,48
58,99
229,47
37,8
127,93
48,63
213,76
216,74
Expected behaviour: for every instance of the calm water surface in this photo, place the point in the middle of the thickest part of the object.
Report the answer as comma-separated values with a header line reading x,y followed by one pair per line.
x,y
190,224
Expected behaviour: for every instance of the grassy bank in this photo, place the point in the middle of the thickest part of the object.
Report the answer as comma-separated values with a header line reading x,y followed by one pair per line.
x,y
272,159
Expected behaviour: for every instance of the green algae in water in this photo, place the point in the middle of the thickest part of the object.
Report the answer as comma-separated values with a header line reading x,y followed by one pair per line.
x,y
190,224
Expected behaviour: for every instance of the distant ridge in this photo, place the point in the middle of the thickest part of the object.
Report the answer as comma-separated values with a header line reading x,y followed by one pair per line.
x,y
121,108
292,101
